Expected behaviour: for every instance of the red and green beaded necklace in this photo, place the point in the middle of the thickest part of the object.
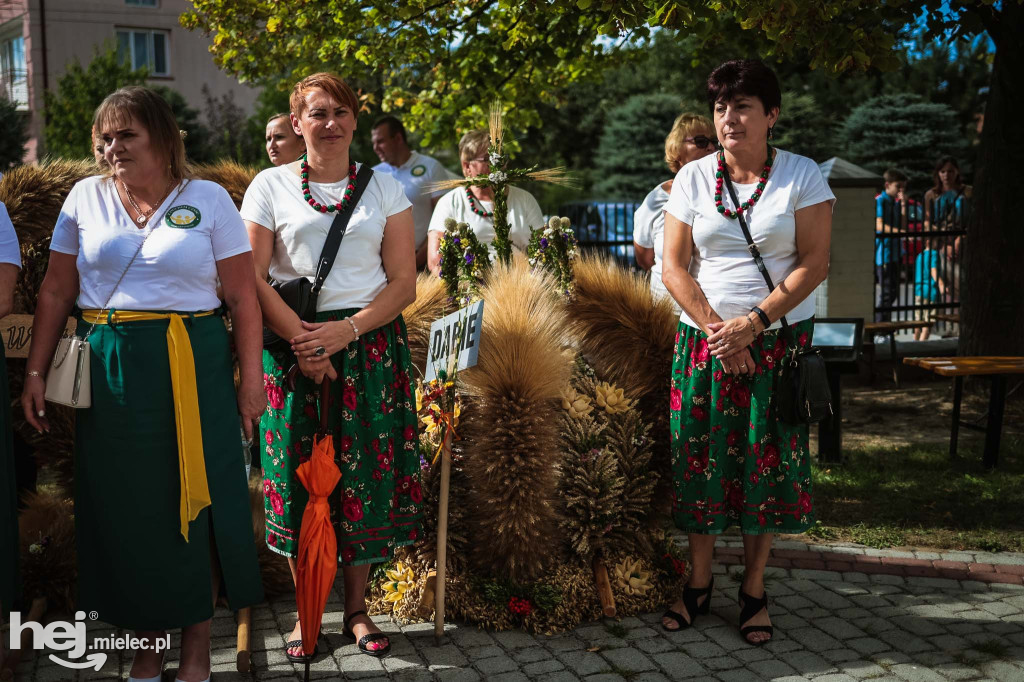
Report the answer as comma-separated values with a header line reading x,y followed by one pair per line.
x,y
329,208
475,206
749,203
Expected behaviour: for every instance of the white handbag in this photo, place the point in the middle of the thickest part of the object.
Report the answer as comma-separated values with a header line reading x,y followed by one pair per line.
x,y
69,379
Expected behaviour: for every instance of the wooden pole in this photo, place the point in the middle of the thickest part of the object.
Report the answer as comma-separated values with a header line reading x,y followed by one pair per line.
x,y
442,537
604,587
35,613
243,657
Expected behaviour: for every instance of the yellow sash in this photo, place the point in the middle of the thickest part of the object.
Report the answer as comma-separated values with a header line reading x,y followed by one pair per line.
x,y
195,495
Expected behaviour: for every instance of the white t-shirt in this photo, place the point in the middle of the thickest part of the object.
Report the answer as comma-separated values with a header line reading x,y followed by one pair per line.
x,y
420,170
721,263
649,232
9,249
274,200
523,213
177,267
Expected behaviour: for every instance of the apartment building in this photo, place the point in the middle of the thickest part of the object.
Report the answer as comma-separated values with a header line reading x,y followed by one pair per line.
x,y
39,37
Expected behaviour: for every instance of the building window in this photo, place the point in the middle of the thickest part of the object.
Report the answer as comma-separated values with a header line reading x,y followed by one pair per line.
x,y
14,71
150,49
141,3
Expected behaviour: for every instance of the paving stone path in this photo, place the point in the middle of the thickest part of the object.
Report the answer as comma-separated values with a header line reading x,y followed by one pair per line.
x,y
873,615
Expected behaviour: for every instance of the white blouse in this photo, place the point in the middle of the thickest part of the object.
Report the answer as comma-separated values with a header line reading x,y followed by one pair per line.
x,y
721,263
274,201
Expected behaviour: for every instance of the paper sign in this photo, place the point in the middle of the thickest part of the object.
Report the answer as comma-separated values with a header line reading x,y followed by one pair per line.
x,y
16,334
455,334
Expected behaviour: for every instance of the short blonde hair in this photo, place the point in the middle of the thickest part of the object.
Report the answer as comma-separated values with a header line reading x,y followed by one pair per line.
x,y
686,125
329,83
150,111
473,143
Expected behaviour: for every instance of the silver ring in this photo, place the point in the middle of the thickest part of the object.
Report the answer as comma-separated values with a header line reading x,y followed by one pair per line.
x,y
319,350
743,366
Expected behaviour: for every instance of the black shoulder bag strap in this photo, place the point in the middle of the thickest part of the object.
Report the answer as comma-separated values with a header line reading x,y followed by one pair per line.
x,y
337,233
751,246
802,394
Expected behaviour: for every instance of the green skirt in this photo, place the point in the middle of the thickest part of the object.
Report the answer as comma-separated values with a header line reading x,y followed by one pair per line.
x,y
376,506
732,462
134,567
9,582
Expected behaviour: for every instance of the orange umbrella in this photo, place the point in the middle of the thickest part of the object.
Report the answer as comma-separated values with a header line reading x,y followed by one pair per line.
x,y
318,547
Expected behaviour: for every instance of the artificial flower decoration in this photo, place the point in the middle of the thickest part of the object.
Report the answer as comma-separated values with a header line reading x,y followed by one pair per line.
x,y
432,418
611,398
400,580
578,405
520,607
631,578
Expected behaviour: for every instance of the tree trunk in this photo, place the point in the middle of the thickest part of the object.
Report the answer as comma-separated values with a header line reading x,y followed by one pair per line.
x,y
992,296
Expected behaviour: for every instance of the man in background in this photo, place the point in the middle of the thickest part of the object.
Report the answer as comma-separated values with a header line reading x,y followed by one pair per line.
x,y
414,170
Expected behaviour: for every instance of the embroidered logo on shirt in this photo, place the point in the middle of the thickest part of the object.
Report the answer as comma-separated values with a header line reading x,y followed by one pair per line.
x,y
183,217
418,170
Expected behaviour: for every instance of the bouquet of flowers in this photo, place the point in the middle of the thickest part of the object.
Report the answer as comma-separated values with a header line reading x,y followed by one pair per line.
x,y
464,260
554,248
439,405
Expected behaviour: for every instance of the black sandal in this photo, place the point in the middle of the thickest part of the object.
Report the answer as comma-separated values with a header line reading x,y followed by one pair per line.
x,y
690,597
367,638
302,658
750,607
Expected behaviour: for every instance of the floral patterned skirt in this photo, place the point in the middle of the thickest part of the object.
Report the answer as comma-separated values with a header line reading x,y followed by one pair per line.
x,y
372,416
732,462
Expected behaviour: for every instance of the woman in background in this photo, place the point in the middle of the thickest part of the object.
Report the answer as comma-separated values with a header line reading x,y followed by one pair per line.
x,y
692,137
284,145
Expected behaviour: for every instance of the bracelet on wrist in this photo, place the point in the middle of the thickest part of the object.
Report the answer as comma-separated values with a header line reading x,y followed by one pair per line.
x,y
355,330
753,330
763,316
33,373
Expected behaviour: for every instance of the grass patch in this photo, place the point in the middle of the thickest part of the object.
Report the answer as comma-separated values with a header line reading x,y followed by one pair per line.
x,y
892,497
616,630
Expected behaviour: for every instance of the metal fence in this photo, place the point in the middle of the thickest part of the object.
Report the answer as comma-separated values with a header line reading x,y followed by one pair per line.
x,y
605,226
917,259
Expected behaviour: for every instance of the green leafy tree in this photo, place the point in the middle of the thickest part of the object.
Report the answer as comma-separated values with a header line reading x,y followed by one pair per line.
x,y
442,63
69,109
804,129
197,135
13,135
903,132
631,155
233,134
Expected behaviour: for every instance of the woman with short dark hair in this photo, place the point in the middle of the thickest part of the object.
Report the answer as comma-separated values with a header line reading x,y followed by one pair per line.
x,y
161,503
734,461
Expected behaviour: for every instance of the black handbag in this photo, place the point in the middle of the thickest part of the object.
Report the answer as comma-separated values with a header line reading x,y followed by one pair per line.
x,y
300,294
801,394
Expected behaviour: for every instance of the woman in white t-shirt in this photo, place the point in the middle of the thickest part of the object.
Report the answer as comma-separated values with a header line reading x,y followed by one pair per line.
x,y
692,137
475,205
161,502
10,263
358,340
735,462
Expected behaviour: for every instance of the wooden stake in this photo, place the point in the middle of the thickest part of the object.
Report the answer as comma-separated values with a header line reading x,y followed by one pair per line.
x,y
604,587
243,657
442,538
35,613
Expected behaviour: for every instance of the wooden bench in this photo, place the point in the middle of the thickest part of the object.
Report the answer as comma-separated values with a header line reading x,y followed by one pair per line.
x,y
998,368
872,329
